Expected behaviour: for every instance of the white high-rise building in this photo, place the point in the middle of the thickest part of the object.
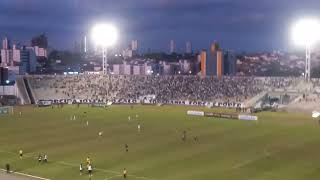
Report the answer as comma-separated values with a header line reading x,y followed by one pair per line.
x,y
85,44
172,46
40,52
148,69
185,66
188,47
127,69
134,45
5,43
6,53
167,68
6,57
118,69
127,53
16,54
137,70
122,69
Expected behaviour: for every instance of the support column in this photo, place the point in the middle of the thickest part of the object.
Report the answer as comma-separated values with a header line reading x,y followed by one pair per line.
x,y
104,60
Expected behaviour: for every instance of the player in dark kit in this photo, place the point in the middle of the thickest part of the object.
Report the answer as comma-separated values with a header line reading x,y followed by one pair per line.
x,y
125,173
8,168
88,161
126,147
195,138
21,153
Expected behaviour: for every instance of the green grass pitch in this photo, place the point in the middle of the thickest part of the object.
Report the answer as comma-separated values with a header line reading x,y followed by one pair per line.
x,y
279,146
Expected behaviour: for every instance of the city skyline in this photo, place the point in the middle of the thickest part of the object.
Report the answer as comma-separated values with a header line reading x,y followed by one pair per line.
x,y
243,25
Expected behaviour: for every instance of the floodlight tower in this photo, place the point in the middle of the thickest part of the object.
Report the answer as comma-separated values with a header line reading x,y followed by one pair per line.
x,y
104,35
308,63
306,32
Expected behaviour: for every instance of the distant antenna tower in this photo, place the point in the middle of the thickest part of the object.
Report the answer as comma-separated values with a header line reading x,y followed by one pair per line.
x,y
85,44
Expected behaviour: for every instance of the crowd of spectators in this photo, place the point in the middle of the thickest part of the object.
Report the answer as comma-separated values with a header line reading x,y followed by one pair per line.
x,y
193,88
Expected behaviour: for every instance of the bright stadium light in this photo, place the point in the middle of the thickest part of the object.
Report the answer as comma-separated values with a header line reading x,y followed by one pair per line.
x,y
104,35
306,32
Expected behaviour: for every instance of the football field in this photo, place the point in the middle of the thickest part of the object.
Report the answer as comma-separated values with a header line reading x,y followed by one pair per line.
x,y
279,146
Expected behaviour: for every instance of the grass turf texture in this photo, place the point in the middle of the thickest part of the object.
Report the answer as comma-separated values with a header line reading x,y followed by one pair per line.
x,y
280,146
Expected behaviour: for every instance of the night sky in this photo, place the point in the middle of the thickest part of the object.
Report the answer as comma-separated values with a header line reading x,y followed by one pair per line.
x,y
246,25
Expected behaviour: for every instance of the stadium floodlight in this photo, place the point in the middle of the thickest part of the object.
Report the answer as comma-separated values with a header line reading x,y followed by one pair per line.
x,y
104,35
306,33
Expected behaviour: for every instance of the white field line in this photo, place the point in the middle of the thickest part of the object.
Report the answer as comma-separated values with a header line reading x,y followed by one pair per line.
x,y
74,165
27,175
112,177
104,170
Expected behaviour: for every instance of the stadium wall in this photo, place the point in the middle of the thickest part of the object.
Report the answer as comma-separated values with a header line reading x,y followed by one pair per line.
x,y
9,90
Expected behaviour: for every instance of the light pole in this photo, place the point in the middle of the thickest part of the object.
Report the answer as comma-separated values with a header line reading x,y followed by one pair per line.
x,y
104,60
308,63
104,35
306,32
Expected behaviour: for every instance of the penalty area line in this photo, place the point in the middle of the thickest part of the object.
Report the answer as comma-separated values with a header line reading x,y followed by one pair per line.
x,y
24,174
112,177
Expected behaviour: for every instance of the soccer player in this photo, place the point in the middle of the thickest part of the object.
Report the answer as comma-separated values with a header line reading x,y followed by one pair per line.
x,y
8,168
45,159
139,128
126,147
88,161
184,136
195,138
124,173
21,153
81,169
90,171
39,158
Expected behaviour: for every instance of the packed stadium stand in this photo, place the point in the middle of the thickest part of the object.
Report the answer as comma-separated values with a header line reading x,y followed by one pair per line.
x,y
193,88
